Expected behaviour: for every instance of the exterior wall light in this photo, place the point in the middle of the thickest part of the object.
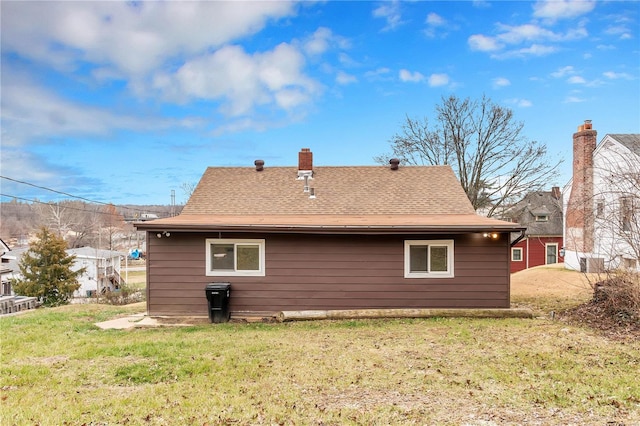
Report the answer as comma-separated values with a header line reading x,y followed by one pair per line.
x,y
492,235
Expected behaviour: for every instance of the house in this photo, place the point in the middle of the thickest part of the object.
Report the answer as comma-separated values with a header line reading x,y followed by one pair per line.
x,y
326,238
541,213
102,269
5,270
102,272
9,302
602,202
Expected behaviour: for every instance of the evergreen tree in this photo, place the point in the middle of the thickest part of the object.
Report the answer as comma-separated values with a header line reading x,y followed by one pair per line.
x,y
46,270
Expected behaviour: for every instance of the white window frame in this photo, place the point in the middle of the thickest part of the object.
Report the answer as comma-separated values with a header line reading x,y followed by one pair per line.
x,y
260,272
513,250
449,273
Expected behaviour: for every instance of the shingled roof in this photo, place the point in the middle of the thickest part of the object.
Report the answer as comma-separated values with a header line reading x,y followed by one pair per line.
x,y
357,197
629,140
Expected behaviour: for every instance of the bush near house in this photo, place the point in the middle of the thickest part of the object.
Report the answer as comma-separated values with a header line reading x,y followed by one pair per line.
x,y
125,295
615,306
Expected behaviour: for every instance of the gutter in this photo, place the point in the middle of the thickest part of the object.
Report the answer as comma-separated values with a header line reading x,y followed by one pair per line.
x,y
520,237
323,229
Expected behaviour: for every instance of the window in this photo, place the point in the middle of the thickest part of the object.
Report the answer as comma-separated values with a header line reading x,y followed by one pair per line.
x,y
428,259
542,218
516,254
626,213
600,209
226,257
629,263
552,253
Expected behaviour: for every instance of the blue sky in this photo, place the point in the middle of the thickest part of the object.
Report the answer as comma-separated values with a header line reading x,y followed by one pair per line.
x,y
125,101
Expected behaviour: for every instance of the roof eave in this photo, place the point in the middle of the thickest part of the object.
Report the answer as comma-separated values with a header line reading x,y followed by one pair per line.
x,y
340,229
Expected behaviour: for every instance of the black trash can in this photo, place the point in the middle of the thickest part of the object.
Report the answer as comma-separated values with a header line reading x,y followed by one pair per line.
x,y
218,298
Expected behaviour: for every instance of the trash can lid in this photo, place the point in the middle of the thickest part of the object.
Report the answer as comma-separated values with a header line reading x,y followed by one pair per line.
x,y
218,286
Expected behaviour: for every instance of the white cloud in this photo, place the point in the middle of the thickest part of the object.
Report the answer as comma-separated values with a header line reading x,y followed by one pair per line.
x,y
435,20
242,81
617,75
576,79
499,82
562,9
481,4
510,34
522,103
347,60
343,78
437,80
521,33
573,100
533,38
318,43
412,77
30,111
621,31
533,50
484,43
436,23
391,13
378,74
129,38
561,72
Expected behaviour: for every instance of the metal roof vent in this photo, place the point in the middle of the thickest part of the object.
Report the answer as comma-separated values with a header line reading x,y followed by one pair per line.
x,y
259,165
395,163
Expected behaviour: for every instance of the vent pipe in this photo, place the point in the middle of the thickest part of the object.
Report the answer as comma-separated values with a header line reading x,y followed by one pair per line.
x,y
259,165
395,163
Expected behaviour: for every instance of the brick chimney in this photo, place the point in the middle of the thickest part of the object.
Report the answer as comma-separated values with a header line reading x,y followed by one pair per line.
x,y
305,166
555,192
305,160
579,218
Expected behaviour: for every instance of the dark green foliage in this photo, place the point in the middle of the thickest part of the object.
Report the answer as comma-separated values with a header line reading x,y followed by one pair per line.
x,y
46,270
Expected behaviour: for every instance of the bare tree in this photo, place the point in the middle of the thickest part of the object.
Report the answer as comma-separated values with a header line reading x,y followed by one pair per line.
x,y
112,224
485,146
187,189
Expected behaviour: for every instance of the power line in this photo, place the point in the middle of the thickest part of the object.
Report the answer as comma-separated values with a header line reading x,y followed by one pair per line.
x,y
72,196
65,207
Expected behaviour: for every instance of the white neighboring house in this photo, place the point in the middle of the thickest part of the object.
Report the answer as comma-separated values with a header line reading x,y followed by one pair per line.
x,y
602,203
102,273
102,270
5,270
9,302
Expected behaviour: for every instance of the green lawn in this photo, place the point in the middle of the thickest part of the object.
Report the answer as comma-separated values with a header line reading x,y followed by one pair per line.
x,y
59,368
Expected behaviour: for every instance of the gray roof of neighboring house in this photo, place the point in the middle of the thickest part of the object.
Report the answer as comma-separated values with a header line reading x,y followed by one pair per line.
x,y
14,256
4,247
534,204
630,140
95,253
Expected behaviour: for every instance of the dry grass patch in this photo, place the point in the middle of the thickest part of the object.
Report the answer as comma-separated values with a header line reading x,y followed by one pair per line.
x,y
550,288
58,368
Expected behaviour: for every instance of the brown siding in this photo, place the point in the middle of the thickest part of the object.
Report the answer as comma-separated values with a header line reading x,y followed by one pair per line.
x,y
327,272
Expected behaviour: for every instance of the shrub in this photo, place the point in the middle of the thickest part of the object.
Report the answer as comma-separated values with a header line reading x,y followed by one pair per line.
x,y
123,296
619,296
